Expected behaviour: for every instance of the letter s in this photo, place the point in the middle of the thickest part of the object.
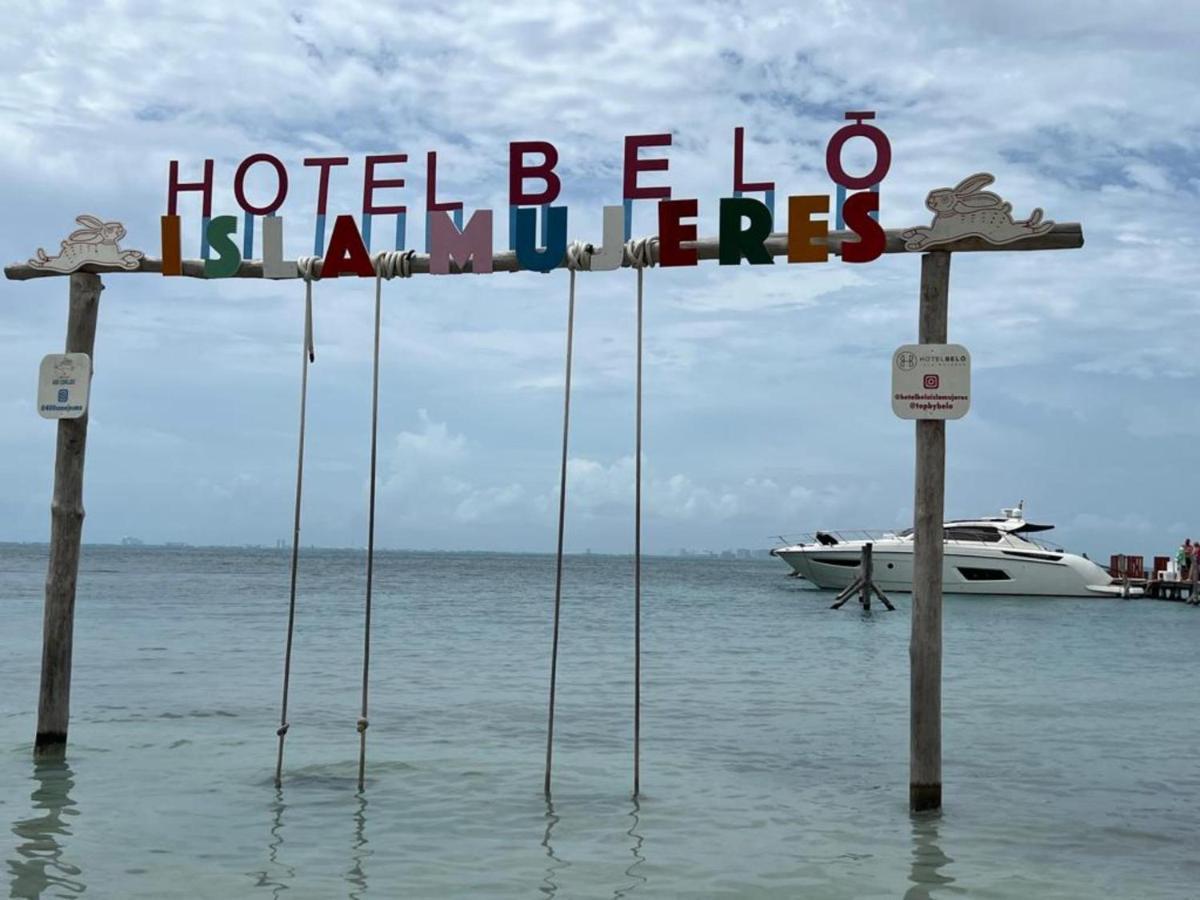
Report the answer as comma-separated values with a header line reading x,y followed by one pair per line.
x,y
871,239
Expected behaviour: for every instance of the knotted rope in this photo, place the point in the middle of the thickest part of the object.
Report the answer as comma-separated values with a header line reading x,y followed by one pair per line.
x,y
640,253
306,265
579,256
389,264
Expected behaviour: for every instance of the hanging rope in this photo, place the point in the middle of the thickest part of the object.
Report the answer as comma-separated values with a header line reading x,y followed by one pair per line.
x,y
307,267
641,253
579,256
388,264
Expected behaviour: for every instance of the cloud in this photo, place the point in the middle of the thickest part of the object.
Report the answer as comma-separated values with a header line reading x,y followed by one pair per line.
x,y
765,403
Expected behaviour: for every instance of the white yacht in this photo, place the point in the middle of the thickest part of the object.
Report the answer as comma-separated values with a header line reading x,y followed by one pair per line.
x,y
991,555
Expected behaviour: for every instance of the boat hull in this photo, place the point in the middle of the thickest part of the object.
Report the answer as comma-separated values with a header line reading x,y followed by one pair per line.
x,y
1002,570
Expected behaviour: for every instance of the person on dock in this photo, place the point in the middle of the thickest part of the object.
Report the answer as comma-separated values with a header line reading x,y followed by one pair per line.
x,y
1184,559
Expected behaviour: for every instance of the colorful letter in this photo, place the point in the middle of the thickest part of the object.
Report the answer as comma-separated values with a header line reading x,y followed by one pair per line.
x,y
612,253
735,242
802,228
370,183
519,170
172,255
431,202
739,156
672,232
871,239
323,164
633,166
528,254
274,265
346,253
220,232
239,184
175,186
473,243
883,152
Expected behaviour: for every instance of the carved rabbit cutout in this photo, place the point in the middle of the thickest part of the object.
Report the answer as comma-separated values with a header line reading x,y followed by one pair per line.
x,y
95,243
966,210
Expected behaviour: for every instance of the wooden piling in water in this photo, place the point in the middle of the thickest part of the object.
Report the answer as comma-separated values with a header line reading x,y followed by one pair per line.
x,y
868,572
863,584
66,529
925,649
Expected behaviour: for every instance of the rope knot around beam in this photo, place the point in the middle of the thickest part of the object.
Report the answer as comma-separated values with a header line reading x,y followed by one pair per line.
x,y
641,252
394,263
307,267
579,256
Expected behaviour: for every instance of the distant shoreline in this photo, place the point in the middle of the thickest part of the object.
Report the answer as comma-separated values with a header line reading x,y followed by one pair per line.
x,y
262,548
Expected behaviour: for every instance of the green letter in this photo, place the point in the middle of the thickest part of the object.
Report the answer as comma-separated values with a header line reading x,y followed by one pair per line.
x,y
229,258
736,243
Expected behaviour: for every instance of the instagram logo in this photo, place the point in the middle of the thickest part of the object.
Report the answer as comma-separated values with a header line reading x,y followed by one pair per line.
x,y
932,382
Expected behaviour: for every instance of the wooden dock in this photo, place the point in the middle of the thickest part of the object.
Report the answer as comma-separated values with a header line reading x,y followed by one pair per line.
x,y
1129,572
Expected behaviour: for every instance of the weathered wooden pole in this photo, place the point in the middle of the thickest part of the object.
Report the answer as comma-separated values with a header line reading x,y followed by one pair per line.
x,y
925,650
66,528
868,575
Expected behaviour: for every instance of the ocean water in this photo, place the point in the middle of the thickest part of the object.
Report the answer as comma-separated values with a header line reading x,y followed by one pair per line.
x,y
775,736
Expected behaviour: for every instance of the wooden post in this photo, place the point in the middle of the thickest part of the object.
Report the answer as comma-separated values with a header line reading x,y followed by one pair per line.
x,y
867,576
925,650
66,528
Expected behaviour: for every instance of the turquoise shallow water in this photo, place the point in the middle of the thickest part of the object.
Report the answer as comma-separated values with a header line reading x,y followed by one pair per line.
x,y
774,736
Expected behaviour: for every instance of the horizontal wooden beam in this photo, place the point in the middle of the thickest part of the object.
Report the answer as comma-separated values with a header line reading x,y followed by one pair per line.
x,y
1064,236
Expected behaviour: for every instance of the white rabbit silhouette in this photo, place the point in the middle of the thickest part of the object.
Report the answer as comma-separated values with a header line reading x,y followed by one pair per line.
x,y
966,210
95,243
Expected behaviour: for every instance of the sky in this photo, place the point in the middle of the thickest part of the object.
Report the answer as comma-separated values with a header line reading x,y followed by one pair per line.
x,y
767,406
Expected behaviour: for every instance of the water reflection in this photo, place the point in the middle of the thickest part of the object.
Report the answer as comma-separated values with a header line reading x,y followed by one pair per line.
x,y
269,877
39,865
357,876
928,859
549,886
636,850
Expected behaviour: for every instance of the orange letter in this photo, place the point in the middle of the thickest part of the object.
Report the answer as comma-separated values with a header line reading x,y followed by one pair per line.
x,y
802,228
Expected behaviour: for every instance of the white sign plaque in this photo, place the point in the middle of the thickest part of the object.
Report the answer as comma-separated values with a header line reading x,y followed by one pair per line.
x,y
931,381
64,381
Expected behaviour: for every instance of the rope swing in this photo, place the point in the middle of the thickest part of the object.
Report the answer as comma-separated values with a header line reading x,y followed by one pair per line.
x,y
638,254
578,257
387,265
307,268
642,253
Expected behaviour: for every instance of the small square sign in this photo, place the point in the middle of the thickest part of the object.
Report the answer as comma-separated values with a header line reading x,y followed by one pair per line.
x,y
931,381
64,382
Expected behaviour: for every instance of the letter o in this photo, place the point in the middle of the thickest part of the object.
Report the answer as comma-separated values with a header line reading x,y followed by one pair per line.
x,y
239,187
833,154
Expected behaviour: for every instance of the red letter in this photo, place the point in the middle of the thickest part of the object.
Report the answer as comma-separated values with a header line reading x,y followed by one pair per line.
x,y
883,153
370,182
633,165
672,232
518,171
739,156
174,186
431,203
324,163
871,239
239,186
346,251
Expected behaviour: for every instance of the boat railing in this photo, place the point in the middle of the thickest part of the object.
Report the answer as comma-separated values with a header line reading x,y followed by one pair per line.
x,y
840,535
